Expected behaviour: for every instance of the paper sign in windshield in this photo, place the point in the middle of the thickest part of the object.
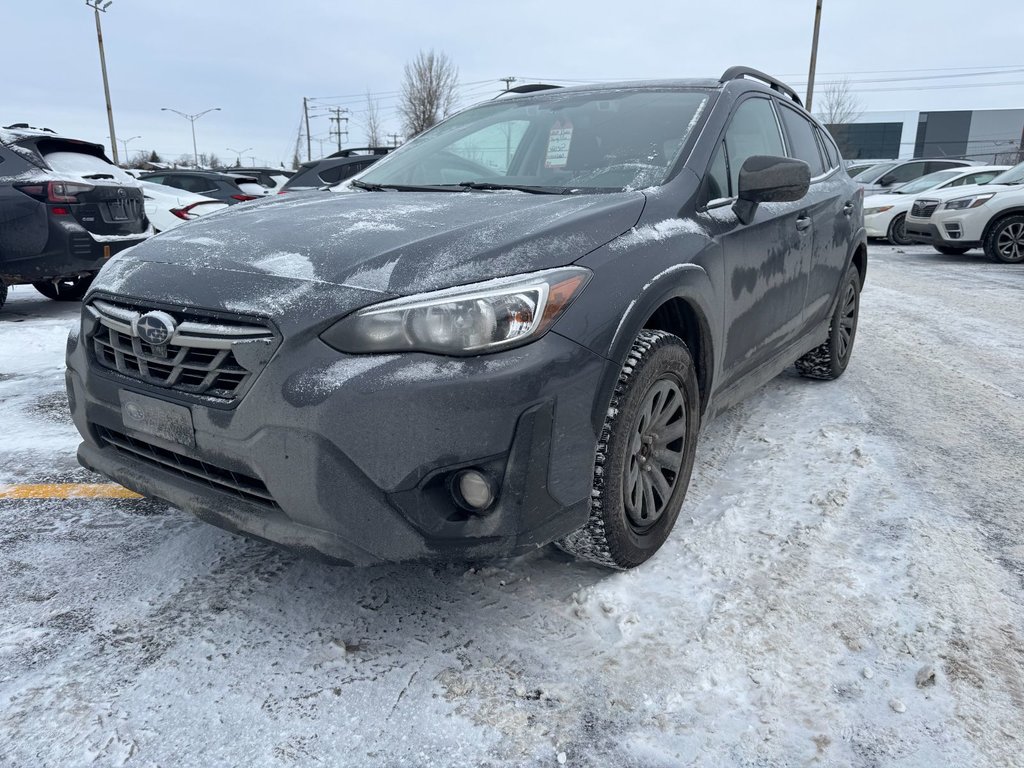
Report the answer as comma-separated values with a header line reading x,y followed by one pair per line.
x,y
559,140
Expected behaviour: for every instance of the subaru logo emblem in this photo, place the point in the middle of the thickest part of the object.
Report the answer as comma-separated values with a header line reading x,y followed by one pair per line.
x,y
154,328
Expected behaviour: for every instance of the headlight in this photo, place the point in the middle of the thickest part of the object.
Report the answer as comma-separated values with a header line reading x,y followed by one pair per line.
x,y
962,203
468,320
873,211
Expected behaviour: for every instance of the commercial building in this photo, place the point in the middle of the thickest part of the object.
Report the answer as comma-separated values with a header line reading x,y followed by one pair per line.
x,y
993,136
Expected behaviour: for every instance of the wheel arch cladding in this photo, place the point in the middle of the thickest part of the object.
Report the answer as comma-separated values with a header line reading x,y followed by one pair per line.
x,y
684,319
860,261
995,220
675,302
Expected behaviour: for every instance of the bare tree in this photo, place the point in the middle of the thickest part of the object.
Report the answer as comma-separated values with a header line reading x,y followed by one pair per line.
x,y
428,91
374,137
839,104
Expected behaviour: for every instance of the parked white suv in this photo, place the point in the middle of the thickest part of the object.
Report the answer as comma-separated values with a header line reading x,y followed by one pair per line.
x,y
885,215
884,176
989,216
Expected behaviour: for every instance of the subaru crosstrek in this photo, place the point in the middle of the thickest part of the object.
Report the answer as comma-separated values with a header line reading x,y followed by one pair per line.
x,y
506,333
64,210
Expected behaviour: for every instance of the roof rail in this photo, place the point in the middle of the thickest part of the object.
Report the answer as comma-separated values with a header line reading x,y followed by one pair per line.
x,y
528,88
735,73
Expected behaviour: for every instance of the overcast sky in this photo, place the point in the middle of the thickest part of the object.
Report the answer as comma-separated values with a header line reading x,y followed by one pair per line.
x,y
256,59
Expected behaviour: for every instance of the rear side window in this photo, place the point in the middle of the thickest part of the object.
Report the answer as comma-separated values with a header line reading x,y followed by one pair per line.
x,y
976,178
306,177
829,148
803,145
941,165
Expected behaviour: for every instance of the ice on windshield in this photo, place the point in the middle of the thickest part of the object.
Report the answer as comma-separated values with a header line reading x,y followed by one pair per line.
x,y
594,140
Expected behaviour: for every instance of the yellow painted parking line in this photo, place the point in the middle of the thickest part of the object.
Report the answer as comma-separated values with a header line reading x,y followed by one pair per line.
x,y
66,491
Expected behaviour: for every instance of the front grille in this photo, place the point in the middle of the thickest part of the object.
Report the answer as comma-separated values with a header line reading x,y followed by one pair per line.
x,y
198,359
245,487
923,209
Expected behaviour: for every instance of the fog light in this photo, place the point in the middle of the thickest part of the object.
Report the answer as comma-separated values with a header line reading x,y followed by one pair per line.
x,y
473,490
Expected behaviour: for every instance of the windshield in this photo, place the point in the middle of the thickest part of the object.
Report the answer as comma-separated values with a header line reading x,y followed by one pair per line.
x,y
874,173
926,182
1013,176
597,140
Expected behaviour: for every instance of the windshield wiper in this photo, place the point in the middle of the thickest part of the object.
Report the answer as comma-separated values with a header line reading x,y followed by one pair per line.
x,y
372,187
486,185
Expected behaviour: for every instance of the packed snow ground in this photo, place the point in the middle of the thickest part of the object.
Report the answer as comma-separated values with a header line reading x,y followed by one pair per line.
x,y
845,587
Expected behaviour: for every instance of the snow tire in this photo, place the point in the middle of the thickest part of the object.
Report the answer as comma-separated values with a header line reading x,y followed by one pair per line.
x,y
70,289
829,360
610,537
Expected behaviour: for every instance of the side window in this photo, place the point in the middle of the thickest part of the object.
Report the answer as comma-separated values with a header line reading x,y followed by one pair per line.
x,y
941,165
178,182
904,173
803,145
753,130
981,178
156,179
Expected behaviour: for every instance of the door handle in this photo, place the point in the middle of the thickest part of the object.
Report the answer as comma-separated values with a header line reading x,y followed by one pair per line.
x,y
848,209
803,223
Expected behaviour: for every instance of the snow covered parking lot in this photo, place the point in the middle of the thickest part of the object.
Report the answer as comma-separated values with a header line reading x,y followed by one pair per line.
x,y
844,587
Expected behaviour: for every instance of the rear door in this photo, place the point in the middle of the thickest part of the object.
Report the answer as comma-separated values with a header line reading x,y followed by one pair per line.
x,y
766,261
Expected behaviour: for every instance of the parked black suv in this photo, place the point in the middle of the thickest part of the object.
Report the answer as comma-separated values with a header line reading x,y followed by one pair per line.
x,y
332,169
430,366
220,186
64,210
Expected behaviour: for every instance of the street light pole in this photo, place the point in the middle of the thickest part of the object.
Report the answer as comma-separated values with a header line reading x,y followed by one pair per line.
x,y
814,56
239,153
97,6
192,119
124,143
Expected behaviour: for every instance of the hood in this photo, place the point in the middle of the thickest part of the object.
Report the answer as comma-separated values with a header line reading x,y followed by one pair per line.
x,y
397,243
965,191
877,201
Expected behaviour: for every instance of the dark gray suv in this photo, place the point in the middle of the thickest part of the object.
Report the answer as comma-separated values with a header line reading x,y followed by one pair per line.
x,y
441,363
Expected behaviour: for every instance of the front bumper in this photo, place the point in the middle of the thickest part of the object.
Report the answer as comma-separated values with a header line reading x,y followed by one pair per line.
x,y
353,453
877,225
949,233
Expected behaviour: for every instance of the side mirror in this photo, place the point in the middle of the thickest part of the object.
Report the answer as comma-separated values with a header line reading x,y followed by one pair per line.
x,y
768,179
886,181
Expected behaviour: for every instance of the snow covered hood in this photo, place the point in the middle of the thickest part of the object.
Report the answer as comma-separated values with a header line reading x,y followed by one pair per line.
x,y
397,242
877,201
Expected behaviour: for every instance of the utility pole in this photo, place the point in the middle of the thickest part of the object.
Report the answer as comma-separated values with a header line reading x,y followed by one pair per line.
x,y
814,56
309,139
97,6
508,129
192,119
394,139
337,120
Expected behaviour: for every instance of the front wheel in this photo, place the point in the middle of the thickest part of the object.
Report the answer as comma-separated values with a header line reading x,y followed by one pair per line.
x,y
644,455
65,289
829,360
1005,242
898,231
950,250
